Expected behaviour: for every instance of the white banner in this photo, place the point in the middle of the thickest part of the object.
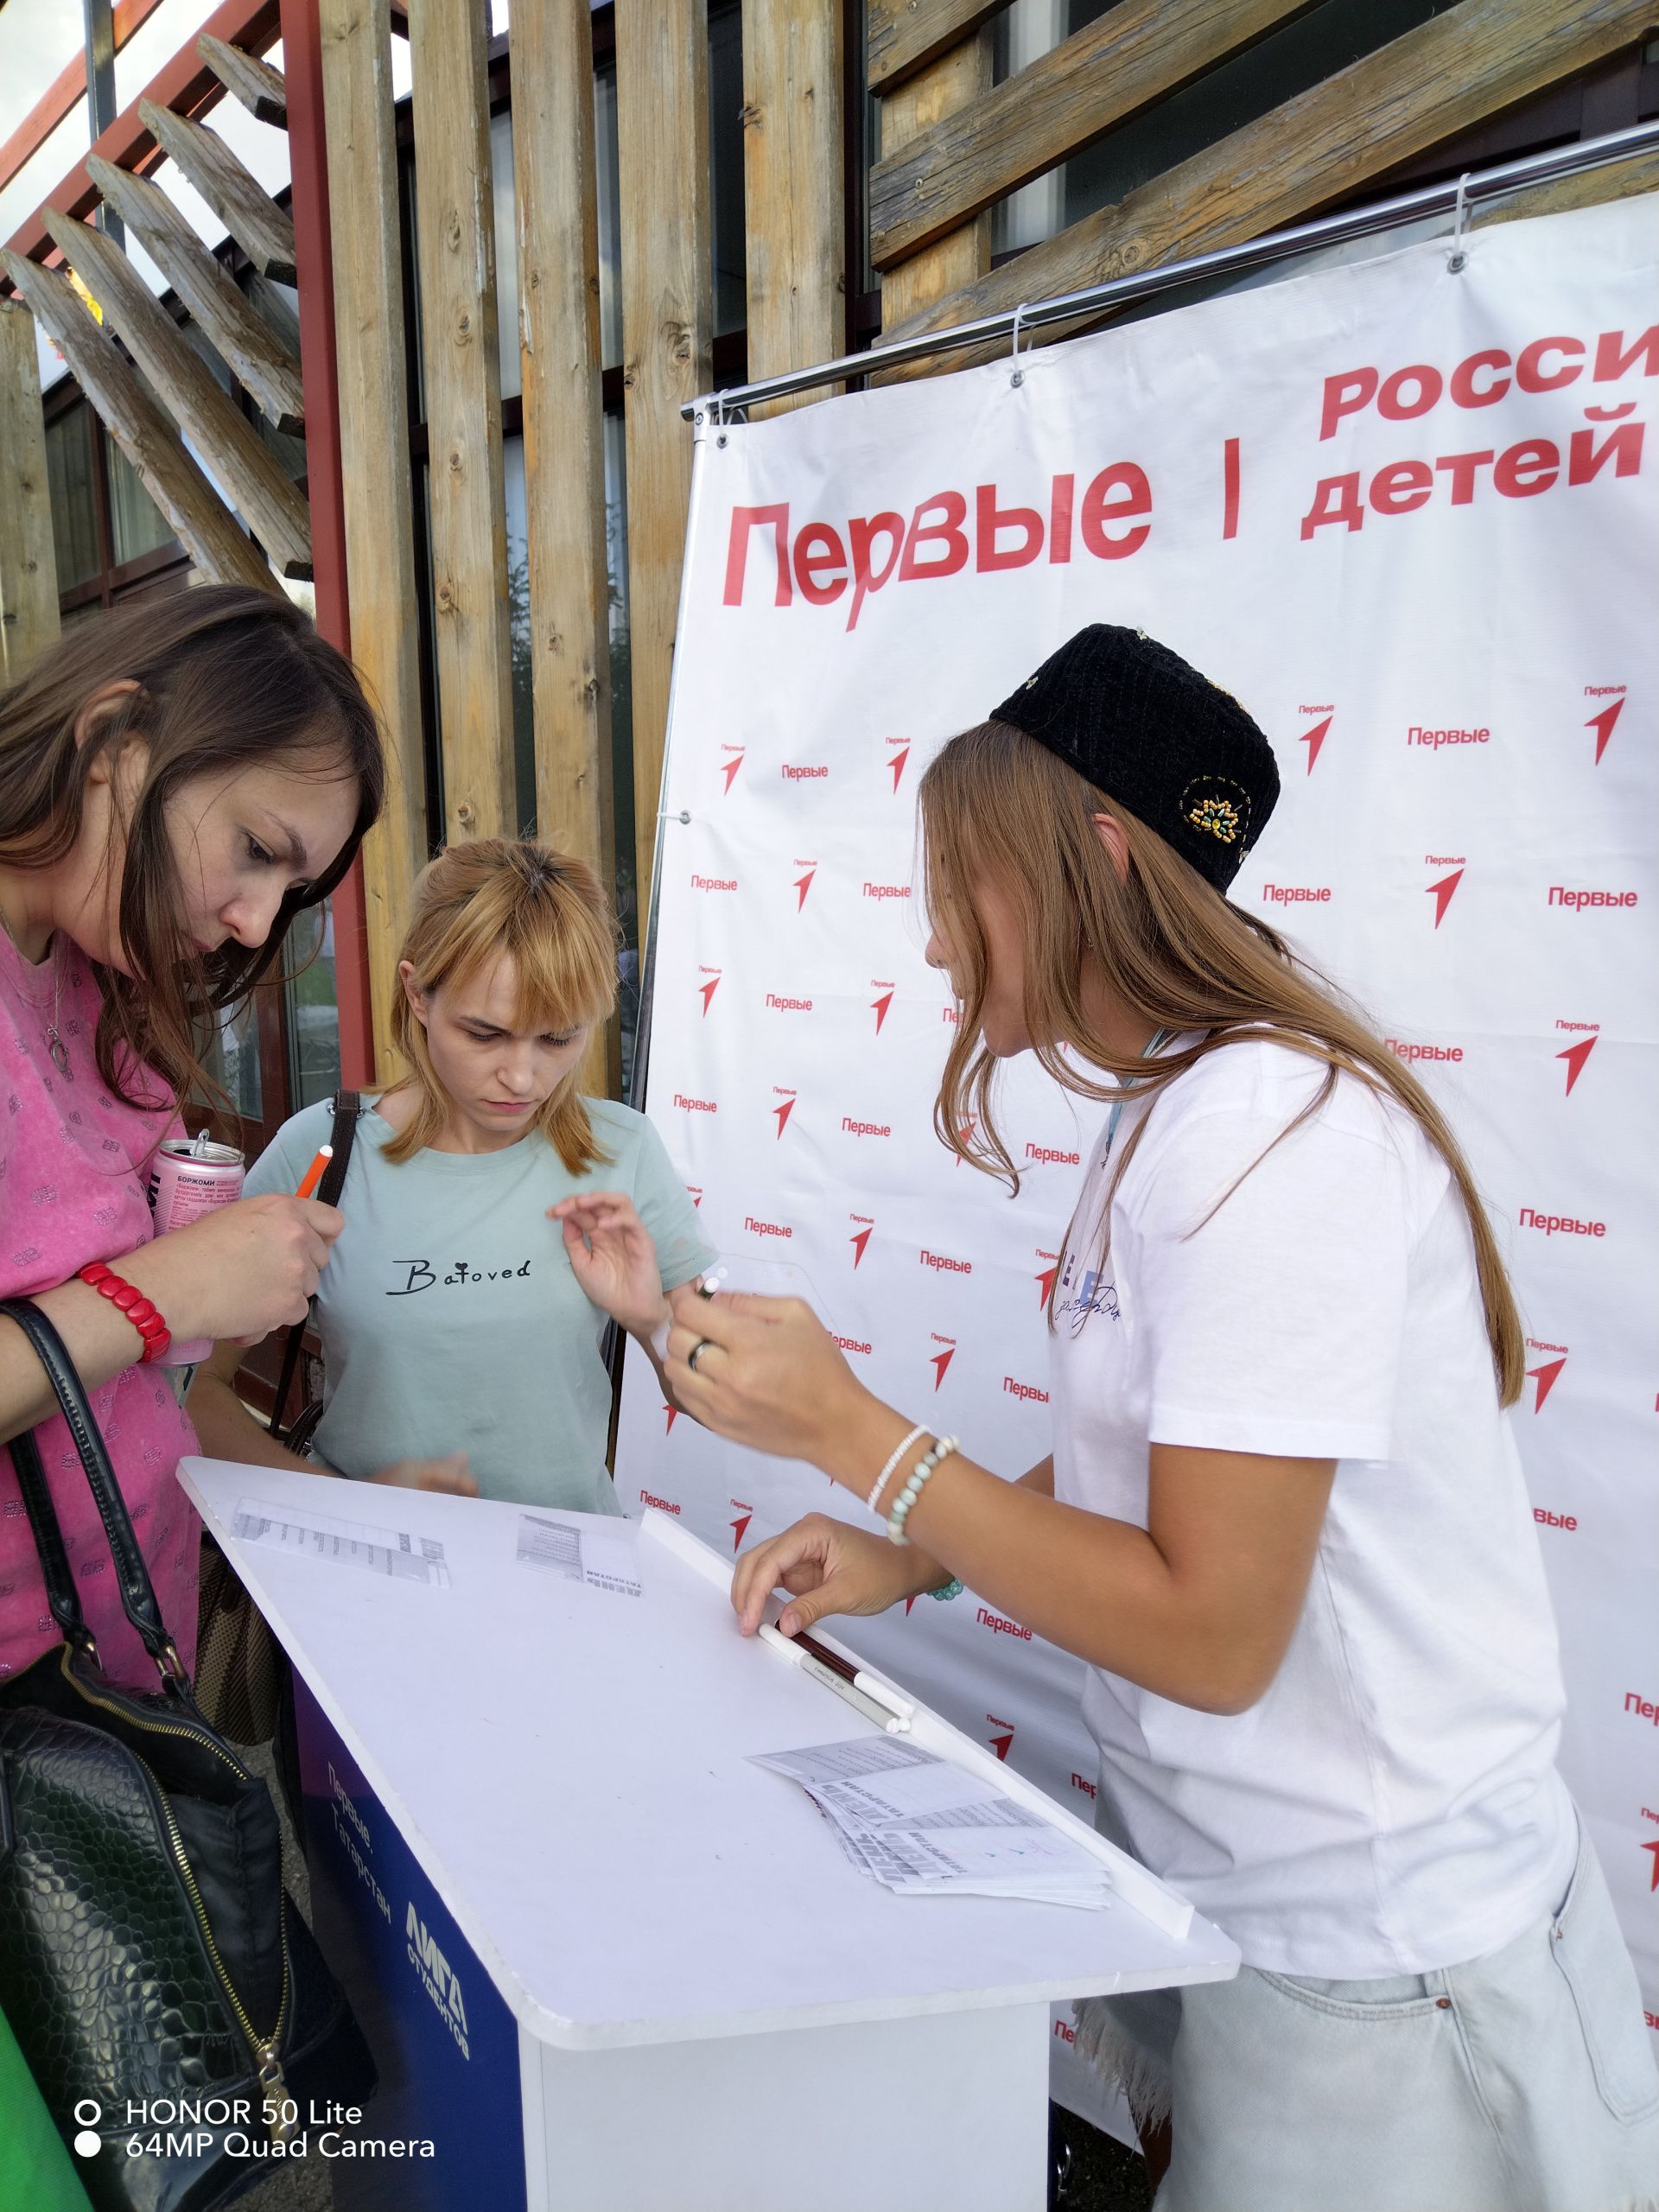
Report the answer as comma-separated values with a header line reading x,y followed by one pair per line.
x,y
1404,512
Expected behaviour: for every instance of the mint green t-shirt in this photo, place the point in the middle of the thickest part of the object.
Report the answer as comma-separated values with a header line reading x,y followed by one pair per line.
x,y
450,1316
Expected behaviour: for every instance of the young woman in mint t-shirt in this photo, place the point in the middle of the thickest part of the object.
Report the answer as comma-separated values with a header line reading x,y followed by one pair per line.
x,y
1283,1521
494,1218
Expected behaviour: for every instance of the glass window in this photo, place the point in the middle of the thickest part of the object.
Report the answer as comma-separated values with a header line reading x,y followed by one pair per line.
x,y
313,1017
233,1060
506,254
524,727
74,507
606,188
136,524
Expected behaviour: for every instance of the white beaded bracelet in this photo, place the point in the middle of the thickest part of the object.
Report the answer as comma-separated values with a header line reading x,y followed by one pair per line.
x,y
879,1484
913,1489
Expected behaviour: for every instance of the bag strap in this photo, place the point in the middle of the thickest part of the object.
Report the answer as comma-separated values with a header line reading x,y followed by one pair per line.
x,y
348,1104
137,1593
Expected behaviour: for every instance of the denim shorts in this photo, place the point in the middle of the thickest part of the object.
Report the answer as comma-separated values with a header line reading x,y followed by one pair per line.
x,y
1524,2082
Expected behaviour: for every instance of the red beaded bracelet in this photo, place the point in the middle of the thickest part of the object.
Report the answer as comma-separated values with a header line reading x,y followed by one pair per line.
x,y
131,1301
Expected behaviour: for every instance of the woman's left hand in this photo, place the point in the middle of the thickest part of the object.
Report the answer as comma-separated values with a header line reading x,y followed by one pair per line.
x,y
613,1258
772,1377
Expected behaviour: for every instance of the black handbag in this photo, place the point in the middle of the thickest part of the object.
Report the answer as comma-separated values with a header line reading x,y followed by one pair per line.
x,y
147,1950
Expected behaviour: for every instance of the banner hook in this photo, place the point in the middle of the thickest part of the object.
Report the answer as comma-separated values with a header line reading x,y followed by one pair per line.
x,y
1018,376
1456,259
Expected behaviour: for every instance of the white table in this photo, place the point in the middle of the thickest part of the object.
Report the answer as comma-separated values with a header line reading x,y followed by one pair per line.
x,y
607,1964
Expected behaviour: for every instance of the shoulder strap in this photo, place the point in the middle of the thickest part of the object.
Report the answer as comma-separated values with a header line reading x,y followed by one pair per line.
x,y
348,1104
137,1593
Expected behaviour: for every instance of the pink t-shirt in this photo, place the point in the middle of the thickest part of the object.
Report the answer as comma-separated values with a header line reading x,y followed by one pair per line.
x,y
73,1162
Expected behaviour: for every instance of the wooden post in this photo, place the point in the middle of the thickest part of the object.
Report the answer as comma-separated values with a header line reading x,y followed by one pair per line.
x,y
29,572
662,92
372,376
463,411
793,153
957,81
557,194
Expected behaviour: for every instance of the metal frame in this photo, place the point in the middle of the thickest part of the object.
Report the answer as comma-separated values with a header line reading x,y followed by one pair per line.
x,y
1461,192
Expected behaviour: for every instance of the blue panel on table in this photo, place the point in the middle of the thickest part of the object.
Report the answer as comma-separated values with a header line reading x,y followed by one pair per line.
x,y
446,2045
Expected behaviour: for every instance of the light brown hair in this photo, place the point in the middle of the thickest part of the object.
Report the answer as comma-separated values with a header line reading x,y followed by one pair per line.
x,y
228,677
548,913
997,807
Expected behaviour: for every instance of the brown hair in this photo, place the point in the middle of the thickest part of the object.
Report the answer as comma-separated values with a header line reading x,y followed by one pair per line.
x,y
997,807
548,913
228,677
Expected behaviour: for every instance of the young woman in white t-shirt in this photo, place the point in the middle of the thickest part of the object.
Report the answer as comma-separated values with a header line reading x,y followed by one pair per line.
x,y
1283,1521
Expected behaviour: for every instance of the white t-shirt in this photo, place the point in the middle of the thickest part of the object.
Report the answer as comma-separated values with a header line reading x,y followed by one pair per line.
x,y
1391,1805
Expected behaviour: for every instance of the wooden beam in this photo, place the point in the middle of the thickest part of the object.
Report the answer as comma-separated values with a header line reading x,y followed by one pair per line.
x,y
187,83
228,319
556,189
373,386
456,226
263,229
903,36
65,94
255,83
793,156
247,471
958,82
662,94
29,574
1137,54
198,516
1421,89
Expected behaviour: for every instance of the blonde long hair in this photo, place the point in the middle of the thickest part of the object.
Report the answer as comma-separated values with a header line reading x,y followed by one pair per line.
x,y
998,807
548,913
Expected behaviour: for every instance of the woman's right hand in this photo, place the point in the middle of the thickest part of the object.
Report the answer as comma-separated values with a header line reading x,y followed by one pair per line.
x,y
449,1473
828,1567
241,1271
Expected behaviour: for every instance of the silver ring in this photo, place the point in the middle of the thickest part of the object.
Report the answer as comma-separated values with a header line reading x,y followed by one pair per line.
x,y
702,1344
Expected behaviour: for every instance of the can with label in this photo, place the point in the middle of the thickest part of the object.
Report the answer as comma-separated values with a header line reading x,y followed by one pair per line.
x,y
189,1177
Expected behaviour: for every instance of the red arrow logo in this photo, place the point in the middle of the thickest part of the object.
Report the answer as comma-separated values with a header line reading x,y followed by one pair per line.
x,y
709,991
941,1361
730,768
803,884
1441,894
783,1112
909,1602
1654,1848
897,765
745,1515
1603,726
1000,1743
1545,1377
879,1008
1313,739
1045,1283
1575,1056
673,1413
858,1242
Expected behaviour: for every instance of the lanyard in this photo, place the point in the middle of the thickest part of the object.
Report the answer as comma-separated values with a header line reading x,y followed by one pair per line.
x,y
1158,1038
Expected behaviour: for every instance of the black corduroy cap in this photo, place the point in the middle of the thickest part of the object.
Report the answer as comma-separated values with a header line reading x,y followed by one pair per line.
x,y
1142,725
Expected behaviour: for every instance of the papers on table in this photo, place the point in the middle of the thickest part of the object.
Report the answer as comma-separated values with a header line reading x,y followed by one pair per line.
x,y
925,1827
586,1547
345,1543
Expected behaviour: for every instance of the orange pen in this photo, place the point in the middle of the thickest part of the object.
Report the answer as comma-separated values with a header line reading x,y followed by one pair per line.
x,y
313,1174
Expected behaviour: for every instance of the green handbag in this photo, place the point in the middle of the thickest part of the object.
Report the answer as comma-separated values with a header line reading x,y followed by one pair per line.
x,y
34,2168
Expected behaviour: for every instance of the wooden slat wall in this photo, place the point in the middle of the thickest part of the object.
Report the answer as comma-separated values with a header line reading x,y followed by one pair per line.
x,y
556,188
143,432
904,36
463,409
28,574
943,270
794,168
1420,90
370,354
263,229
255,83
247,470
662,79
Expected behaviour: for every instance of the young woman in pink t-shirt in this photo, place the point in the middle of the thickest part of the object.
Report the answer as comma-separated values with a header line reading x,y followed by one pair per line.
x,y
177,781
